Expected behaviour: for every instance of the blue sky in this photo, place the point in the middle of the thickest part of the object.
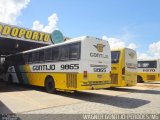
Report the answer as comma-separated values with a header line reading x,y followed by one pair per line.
x,y
130,21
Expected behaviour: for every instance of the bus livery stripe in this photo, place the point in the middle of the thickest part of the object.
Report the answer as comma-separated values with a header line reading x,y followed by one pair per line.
x,y
25,79
19,75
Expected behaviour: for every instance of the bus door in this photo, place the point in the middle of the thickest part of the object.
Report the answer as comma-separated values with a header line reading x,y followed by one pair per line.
x,y
116,67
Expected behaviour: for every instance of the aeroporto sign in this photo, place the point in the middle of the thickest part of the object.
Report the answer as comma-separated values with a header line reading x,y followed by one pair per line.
x,y
17,33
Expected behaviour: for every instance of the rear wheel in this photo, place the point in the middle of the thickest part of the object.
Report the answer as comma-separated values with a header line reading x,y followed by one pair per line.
x,y
50,85
139,79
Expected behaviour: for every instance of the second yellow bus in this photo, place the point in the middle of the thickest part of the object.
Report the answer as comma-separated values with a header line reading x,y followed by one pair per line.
x,y
124,67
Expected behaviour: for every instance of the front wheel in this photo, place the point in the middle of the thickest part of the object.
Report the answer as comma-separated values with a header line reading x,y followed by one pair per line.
x,y
50,85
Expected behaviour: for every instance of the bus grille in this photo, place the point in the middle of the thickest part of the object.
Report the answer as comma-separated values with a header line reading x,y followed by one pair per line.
x,y
150,77
114,78
71,80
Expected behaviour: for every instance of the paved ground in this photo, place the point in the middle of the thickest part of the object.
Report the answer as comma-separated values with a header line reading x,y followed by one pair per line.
x,y
143,98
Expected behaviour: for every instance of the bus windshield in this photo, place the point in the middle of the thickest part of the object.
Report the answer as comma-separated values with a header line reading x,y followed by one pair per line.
x,y
147,64
115,56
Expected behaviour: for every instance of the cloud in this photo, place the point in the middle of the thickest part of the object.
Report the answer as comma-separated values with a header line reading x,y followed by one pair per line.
x,y
114,42
132,46
37,25
154,49
144,56
118,43
153,52
11,9
52,24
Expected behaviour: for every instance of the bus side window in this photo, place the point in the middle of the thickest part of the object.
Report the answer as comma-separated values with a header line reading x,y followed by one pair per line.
x,y
19,59
64,52
13,60
9,61
30,58
25,57
41,55
48,54
74,51
35,56
55,53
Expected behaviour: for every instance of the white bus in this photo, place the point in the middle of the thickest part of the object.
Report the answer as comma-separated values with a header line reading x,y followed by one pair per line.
x,y
82,63
148,70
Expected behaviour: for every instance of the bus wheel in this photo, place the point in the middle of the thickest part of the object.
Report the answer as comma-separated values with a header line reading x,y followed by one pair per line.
x,y
139,79
10,79
50,85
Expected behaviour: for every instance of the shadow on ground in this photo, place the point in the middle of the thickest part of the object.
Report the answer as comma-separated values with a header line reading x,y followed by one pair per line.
x,y
4,87
4,109
136,90
6,113
117,101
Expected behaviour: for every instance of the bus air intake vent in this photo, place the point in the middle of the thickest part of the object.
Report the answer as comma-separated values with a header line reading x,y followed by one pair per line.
x,y
71,80
114,78
150,77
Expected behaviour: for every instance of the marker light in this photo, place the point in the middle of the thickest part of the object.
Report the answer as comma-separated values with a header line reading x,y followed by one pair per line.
x,y
85,74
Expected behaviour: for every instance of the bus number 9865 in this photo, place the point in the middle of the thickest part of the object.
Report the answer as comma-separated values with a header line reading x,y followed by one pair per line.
x,y
70,67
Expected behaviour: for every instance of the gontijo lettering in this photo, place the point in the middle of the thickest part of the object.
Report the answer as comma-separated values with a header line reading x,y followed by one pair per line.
x,y
43,67
7,30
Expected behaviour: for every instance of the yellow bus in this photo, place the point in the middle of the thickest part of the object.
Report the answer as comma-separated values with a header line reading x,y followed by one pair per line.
x,y
124,67
82,63
148,70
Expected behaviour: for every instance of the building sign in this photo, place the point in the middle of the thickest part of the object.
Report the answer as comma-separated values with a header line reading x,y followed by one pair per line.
x,y
57,37
17,33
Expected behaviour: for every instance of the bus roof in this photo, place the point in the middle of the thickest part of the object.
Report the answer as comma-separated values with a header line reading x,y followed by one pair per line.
x,y
82,38
148,60
119,49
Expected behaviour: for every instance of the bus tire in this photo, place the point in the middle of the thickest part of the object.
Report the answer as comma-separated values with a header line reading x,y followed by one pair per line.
x,y
139,79
50,85
10,79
